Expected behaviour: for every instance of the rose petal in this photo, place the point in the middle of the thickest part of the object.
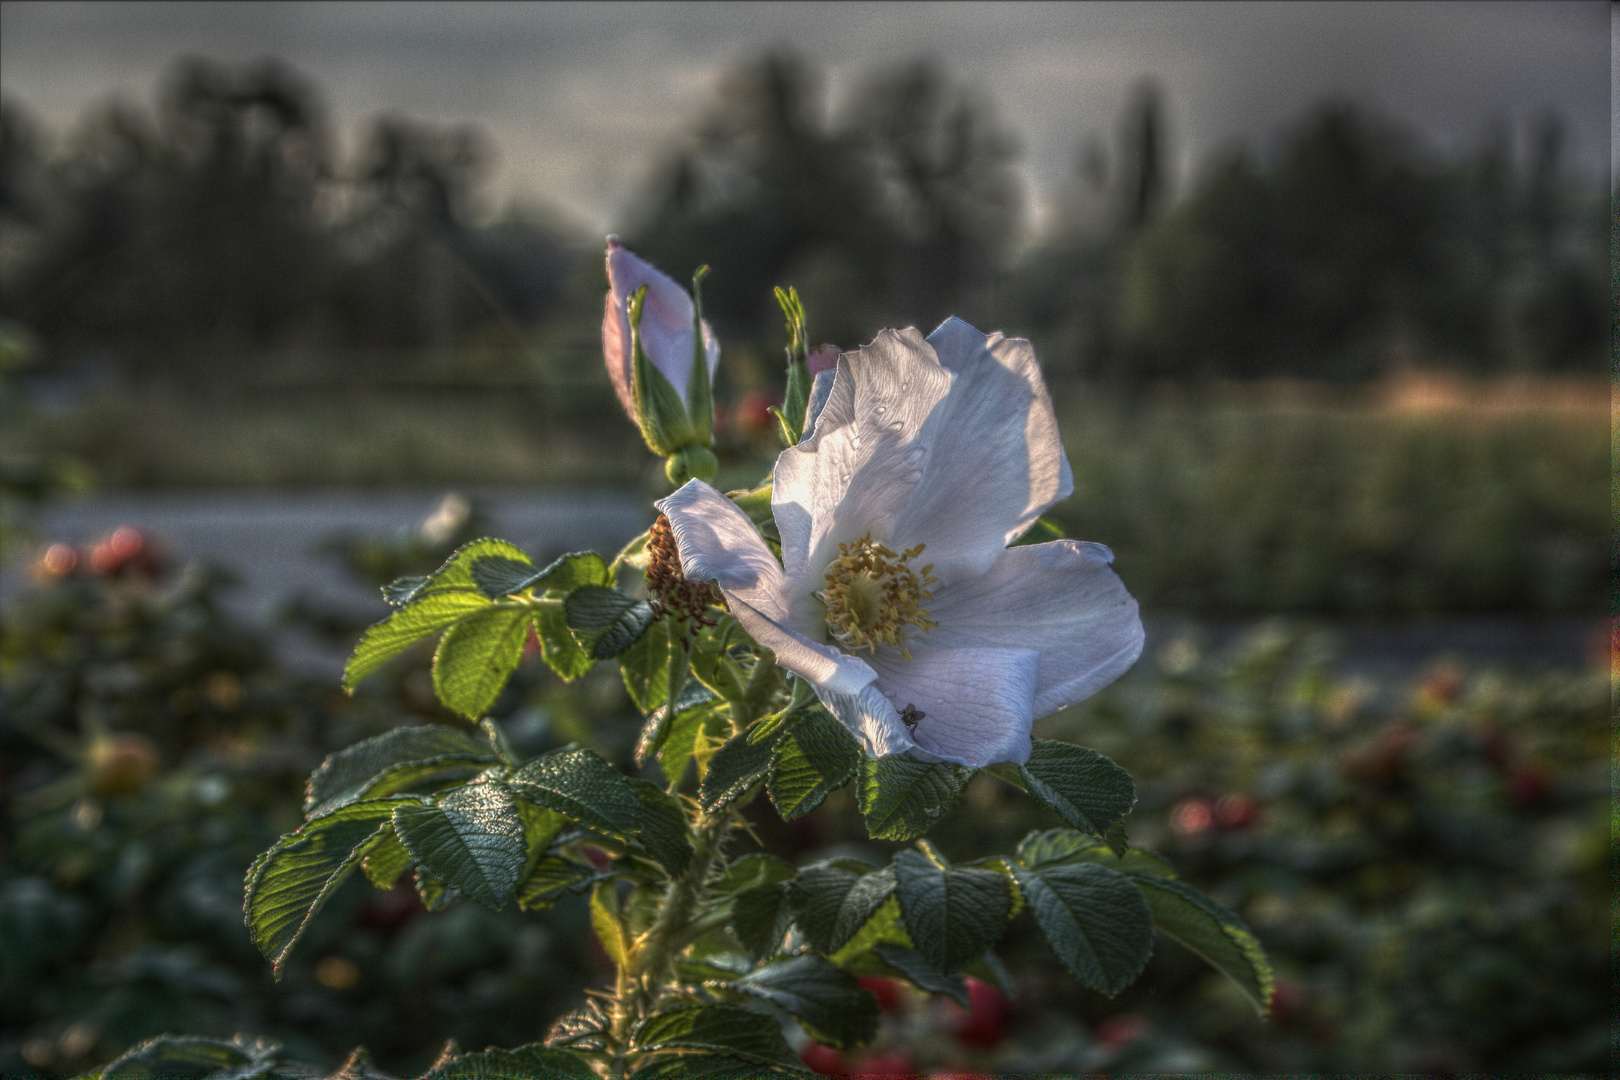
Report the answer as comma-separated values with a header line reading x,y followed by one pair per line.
x,y
1061,599
976,702
994,459
666,324
856,471
718,543
871,718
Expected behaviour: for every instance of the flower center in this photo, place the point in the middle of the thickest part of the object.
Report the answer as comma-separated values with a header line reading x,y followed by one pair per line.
x,y
872,596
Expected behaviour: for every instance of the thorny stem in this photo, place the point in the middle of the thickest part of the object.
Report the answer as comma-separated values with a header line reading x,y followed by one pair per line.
x,y
642,977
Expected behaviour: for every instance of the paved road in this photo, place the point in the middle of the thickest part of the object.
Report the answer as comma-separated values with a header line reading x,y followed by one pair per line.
x,y
271,540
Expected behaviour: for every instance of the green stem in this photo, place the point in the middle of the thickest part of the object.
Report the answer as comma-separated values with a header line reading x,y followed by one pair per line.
x,y
644,975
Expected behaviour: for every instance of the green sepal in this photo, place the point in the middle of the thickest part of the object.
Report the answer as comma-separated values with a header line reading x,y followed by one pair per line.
x,y
660,413
699,394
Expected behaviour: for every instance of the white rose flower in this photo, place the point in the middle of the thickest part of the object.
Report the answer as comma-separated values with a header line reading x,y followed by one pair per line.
x,y
897,597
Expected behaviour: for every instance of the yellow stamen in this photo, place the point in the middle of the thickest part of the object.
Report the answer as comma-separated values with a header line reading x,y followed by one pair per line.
x,y
872,596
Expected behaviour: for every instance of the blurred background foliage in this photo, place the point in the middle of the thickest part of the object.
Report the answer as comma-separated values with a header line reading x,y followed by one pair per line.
x,y
1347,376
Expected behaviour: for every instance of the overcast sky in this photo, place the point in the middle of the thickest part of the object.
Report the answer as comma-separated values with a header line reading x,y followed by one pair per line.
x,y
581,99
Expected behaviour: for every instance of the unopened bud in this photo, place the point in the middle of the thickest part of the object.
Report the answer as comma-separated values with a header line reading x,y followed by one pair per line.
x,y
691,463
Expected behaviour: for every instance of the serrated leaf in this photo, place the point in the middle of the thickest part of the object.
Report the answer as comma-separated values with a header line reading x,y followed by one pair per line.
x,y
1059,847
814,757
583,1028
661,724
434,894
424,617
533,1060
610,931
472,840
1212,931
884,927
287,885
917,971
735,767
747,871
476,656
562,654
456,574
693,736
832,900
541,825
552,878
952,914
721,1029
1095,920
572,571
760,916
644,667
497,576
606,621
577,782
663,828
387,861
902,798
827,1002
392,761
177,1056
1086,789
402,591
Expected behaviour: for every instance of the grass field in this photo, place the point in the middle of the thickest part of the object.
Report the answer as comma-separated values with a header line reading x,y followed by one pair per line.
x,y
1424,495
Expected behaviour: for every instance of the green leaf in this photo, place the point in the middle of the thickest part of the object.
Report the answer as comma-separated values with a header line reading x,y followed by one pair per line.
x,y
573,571
456,575
832,900
497,576
387,861
533,1060
644,667
902,798
747,871
884,927
392,761
693,735
552,878
760,916
719,1029
815,757
541,826
472,840
422,618
434,894
606,621
735,767
953,914
577,782
917,971
1213,932
1059,847
402,591
476,657
828,1002
1095,920
663,828
605,921
288,884
177,1056
558,648
1043,530
661,723
1087,789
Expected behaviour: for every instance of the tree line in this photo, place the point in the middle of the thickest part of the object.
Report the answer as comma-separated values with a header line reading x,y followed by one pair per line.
x,y
220,239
